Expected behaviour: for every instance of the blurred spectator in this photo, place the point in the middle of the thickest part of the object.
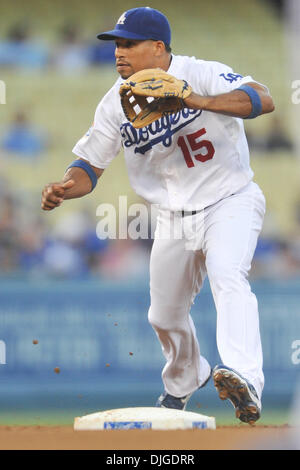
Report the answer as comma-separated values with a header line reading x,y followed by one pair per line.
x,y
297,213
255,141
94,249
22,138
8,234
277,139
61,259
102,53
31,251
72,53
125,259
276,259
20,50
73,249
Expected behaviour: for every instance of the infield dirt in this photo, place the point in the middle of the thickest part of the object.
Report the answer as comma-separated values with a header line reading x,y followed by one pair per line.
x,y
65,438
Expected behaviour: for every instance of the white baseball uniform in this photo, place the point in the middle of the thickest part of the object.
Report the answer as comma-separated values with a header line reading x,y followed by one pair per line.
x,y
193,160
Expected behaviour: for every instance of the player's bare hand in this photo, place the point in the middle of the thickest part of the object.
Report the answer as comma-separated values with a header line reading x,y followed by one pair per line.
x,y
53,194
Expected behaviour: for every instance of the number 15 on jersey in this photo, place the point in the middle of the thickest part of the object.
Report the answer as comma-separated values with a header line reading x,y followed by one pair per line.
x,y
191,141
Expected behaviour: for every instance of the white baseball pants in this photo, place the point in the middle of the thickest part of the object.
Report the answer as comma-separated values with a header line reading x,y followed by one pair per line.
x,y
218,241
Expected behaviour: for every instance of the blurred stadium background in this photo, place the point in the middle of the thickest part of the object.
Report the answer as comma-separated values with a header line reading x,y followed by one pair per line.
x,y
86,300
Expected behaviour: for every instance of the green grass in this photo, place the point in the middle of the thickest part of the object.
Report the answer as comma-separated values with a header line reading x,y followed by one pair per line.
x,y
226,417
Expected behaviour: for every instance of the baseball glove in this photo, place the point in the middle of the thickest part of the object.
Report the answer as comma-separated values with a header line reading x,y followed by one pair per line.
x,y
150,94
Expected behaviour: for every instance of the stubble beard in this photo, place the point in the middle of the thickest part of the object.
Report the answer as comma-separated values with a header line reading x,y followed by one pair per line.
x,y
124,76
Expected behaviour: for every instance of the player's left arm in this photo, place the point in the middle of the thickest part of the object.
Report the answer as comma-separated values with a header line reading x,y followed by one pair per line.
x,y
241,103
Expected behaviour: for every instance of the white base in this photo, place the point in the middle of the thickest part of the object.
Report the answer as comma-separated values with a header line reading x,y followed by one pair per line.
x,y
143,418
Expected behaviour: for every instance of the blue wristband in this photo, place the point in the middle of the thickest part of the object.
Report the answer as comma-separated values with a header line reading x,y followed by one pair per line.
x,y
87,168
255,101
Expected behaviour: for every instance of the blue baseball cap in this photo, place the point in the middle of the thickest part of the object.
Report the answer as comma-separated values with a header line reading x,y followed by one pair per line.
x,y
140,24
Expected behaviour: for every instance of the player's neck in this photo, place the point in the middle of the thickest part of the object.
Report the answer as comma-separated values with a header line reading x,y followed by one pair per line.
x,y
165,62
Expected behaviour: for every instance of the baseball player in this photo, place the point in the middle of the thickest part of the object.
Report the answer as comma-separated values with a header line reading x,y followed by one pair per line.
x,y
195,166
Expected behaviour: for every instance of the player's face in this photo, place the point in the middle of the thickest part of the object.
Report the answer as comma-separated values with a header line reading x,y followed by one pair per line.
x,y
133,56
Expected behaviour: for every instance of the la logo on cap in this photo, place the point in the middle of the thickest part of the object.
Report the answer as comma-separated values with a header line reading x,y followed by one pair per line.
x,y
122,18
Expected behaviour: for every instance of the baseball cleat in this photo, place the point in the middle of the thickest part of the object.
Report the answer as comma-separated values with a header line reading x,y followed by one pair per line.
x,y
232,386
168,401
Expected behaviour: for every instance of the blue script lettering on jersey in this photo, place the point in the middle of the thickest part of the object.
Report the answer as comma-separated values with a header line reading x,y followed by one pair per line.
x,y
231,77
132,136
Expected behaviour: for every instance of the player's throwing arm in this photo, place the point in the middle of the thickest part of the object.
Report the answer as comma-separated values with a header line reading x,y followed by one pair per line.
x,y
79,180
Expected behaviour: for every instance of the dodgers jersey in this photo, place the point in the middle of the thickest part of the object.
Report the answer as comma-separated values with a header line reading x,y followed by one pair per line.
x,y
183,161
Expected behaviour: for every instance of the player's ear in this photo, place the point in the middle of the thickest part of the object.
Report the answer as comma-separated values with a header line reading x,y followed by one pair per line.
x,y
159,48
